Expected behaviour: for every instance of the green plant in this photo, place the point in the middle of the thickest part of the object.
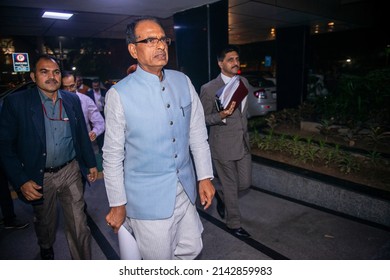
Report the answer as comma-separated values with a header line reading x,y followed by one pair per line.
x,y
266,143
325,127
330,157
295,148
281,143
356,99
271,122
347,164
255,138
322,143
378,134
321,152
315,150
309,154
374,157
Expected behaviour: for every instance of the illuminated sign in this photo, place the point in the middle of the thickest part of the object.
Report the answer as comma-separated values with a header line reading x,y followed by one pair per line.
x,y
21,63
267,61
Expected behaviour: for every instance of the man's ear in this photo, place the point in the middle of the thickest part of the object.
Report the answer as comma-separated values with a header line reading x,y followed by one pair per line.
x,y
132,50
32,76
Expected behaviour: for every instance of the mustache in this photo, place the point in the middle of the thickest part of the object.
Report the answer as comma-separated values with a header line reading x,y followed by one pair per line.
x,y
51,81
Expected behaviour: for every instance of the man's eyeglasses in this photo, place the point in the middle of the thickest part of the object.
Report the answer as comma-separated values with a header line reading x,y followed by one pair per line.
x,y
153,41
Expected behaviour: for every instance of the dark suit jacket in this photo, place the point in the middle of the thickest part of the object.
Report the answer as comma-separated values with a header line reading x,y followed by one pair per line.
x,y
23,138
91,94
228,140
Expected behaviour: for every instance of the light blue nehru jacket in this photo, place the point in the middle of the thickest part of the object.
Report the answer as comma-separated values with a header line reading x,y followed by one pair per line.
x,y
157,153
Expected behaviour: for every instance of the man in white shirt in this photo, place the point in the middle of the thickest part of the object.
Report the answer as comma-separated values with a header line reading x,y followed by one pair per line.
x,y
93,119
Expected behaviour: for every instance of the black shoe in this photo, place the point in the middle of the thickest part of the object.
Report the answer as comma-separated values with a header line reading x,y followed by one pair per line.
x,y
15,224
220,206
47,254
239,232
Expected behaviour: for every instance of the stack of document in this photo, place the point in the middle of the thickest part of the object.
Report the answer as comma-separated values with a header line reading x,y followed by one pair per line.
x,y
234,90
127,245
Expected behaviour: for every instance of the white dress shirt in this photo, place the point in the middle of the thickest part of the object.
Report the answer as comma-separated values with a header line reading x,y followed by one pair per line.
x,y
91,114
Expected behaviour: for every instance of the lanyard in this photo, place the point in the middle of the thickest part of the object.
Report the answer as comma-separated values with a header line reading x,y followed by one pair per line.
x,y
60,116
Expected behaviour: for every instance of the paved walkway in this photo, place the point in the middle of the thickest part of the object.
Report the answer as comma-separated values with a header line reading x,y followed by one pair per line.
x,y
280,229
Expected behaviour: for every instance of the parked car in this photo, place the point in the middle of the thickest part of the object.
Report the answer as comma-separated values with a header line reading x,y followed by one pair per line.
x,y
265,74
19,87
262,95
10,90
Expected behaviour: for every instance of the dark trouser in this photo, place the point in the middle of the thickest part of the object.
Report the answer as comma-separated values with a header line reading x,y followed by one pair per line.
x,y
6,203
66,185
100,141
235,176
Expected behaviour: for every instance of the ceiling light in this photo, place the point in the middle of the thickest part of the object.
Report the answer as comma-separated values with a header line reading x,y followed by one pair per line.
x,y
55,15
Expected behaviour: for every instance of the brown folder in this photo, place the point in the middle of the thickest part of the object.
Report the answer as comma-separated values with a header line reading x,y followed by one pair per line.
x,y
238,95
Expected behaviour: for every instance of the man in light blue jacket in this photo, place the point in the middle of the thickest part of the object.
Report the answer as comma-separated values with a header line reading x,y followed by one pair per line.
x,y
155,131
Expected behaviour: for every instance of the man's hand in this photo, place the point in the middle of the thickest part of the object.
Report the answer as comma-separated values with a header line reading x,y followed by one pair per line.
x,y
227,112
92,135
206,192
116,217
30,190
93,173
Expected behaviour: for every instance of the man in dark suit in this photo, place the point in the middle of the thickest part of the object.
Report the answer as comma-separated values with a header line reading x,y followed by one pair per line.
x,y
98,95
10,221
45,150
229,139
